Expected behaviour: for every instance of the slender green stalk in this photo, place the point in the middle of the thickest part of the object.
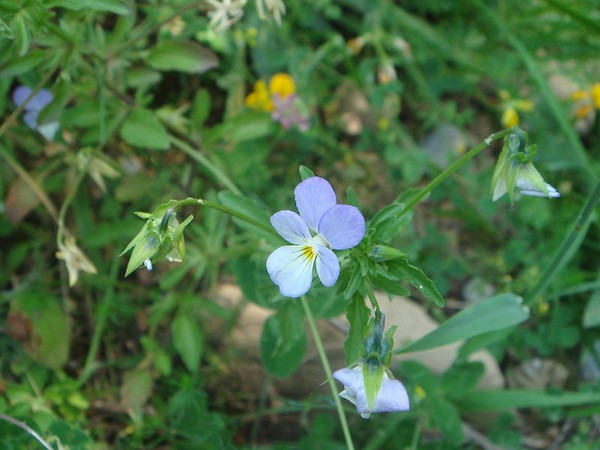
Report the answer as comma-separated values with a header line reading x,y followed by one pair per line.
x,y
225,209
453,168
568,246
325,362
206,163
91,364
23,426
538,77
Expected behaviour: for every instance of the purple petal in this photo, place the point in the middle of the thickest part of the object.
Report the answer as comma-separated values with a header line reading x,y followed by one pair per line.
x,y
291,270
314,196
342,226
38,101
328,266
290,226
20,94
30,118
392,396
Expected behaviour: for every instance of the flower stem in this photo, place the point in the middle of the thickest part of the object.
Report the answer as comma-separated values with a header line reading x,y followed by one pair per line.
x,y
23,426
227,210
217,173
453,168
104,308
568,246
325,362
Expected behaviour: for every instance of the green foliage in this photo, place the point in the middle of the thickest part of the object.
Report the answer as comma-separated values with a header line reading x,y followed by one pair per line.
x,y
155,112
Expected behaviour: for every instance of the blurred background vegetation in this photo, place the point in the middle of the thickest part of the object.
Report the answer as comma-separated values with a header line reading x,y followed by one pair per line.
x,y
150,102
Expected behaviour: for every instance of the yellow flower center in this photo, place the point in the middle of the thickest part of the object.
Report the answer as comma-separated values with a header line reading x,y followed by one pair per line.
x,y
309,253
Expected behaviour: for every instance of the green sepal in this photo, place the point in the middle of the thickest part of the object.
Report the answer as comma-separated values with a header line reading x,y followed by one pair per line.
x,y
373,375
143,250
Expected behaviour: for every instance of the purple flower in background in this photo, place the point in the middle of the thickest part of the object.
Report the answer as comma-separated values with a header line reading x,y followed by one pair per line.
x,y
290,110
390,397
38,102
321,226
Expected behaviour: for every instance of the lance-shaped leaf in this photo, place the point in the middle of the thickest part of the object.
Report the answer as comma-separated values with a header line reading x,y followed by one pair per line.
x,y
183,56
496,313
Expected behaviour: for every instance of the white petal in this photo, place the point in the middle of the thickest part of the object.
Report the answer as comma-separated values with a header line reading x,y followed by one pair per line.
x,y
351,377
290,226
328,266
291,270
342,226
354,388
527,188
392,396
314,196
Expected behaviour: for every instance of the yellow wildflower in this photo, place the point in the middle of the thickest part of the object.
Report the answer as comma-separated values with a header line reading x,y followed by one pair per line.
x,y
583,111
510,118
282,84
595,92
511,108
579,95
259,99
420,393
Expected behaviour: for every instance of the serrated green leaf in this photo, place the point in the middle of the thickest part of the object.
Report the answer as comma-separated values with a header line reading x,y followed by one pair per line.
x,y
143,129
495,313
389,286
187,340
283,341
183,56
114,6
401,268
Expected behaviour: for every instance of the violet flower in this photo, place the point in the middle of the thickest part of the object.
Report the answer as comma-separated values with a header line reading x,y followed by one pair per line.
x,y
38,102
322,225
391,395
290,111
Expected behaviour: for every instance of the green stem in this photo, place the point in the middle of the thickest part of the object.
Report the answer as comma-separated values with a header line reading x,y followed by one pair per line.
x,y
538,77
325,362
90,364
452,168
23,426
206,163
65,206
227,210
568,246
